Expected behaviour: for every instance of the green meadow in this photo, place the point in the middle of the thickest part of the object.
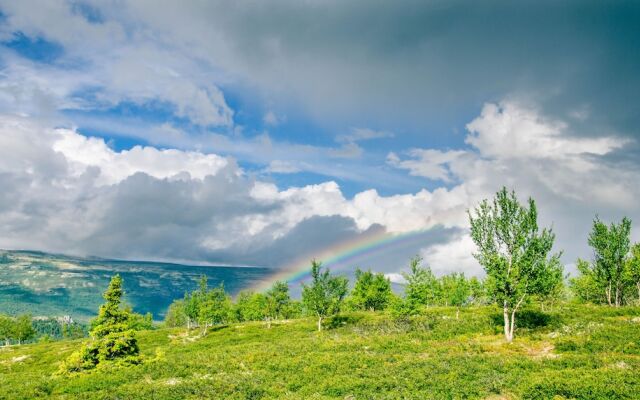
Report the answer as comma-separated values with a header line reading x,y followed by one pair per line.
x,y
570,352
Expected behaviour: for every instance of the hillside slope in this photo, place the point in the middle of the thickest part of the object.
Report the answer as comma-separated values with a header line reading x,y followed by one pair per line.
x,y
573,352
56,285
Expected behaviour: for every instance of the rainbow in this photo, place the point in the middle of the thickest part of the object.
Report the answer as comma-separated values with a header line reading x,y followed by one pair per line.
x,y
343,255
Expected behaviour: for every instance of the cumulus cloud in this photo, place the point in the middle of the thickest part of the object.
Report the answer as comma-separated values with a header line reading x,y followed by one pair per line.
x,y
538,156
67,192
83,153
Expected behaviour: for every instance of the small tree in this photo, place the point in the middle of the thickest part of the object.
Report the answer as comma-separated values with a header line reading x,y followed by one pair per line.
x,y
633,268
371,291
279,298
586,287
175,315
422,288
610,246
113,339
513,252
477,291
325,294
215,308
456,291
23,328
250,306
193,301
6,329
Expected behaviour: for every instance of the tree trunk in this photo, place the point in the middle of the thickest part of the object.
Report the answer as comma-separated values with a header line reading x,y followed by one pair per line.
x,y
608,291
513,325
319,324
638,285
458,313
268,322
508,332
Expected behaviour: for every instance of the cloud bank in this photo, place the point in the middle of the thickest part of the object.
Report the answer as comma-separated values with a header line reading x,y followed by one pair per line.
x,y
420,111
69,193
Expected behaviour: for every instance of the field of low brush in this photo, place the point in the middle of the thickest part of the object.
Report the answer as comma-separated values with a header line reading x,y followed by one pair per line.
x,y
582,352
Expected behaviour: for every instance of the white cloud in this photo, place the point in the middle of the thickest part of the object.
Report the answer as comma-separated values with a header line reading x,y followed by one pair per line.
x,y
519,148
395,278
66,192
115,62
455,255
507,130
428,163
70,193
82,153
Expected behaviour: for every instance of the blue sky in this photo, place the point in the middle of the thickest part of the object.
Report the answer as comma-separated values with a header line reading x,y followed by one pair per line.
x,y
348,115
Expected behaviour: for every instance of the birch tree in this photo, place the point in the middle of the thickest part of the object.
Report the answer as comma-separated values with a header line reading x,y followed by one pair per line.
x,y
610,247
325,294
633,268
514,252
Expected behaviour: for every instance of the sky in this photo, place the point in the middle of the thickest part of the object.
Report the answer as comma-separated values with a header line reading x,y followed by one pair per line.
x,y
260,132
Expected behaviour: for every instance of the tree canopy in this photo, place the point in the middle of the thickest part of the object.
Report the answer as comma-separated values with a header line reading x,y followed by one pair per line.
x,y
325,294
514,253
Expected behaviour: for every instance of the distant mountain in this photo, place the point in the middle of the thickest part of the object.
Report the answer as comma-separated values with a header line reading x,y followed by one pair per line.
x,y
56,285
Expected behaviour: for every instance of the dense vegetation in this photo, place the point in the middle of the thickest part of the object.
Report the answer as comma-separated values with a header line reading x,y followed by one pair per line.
x,y
440,339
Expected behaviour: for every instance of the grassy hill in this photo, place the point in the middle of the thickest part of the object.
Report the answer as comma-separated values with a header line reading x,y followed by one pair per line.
x,y
572,352
57,285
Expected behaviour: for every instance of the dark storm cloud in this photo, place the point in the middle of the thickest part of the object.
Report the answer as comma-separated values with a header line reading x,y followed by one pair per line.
x,y
417,61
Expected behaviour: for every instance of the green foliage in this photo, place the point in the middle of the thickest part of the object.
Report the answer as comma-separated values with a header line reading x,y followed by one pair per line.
x,y
575,352
632,273
203,307
23,328
206,307
112,333
610,246
16,329
455,289
215,307
251,306
371,291
139,322
176,314
422,288
325,294
278,300
514,253
613,277
586,287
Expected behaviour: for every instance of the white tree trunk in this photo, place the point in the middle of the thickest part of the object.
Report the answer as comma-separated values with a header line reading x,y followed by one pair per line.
x,y
319,324
508,332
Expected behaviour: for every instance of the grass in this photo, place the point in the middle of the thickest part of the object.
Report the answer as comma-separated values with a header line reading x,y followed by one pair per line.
x,y
571,352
